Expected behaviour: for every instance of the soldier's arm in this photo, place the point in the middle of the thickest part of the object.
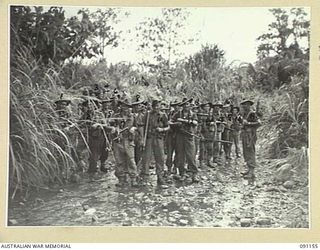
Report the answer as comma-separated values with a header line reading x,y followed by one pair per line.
x,y
193,121
131,124
166,126
174,121
252,121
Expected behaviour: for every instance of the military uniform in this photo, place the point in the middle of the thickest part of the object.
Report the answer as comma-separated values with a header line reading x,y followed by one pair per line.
x,y
98,149
207,132
123,144
156,125
225,135
185,121
139,117
219,129
236,120
249,137
171,143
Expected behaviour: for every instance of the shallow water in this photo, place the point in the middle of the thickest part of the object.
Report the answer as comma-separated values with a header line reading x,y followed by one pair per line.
x,y
221,199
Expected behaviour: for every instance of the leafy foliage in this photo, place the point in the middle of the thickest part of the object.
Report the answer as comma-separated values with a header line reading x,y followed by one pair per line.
x,y
49,35
288,29
161,36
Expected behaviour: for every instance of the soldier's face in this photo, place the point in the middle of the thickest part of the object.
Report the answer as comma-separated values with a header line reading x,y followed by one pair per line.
x,y
156,107
186,107
61,106
207,108
245,108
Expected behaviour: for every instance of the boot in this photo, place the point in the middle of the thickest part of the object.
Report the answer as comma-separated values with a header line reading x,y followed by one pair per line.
x,y
209,164
245,172
160,180
134,182
195,178
121,182
183,177
201,164
173,170
103,167
250,174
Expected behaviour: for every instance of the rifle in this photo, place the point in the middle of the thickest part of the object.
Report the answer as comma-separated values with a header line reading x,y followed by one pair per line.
x,y
202,114
188,133
119,133
146,131
222,141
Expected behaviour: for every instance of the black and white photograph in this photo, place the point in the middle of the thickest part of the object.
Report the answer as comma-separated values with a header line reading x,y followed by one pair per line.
x,y
180,117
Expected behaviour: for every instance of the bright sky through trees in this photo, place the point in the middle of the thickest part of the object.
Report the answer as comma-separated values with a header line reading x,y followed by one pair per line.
x,y
235,30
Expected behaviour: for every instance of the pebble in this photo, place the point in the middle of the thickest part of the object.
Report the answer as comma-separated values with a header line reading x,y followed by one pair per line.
x,y
85,207
289,184
127,223
139,195
90,211
94,218
263,221
219,217
183,222
245,222
153,216
236,190
12,222
186,208
282,189
171,219
271,189
153,223
204,178
164,205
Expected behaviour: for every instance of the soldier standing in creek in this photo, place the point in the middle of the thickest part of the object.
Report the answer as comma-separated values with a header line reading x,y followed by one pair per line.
x,y
236,121
249,137
207,133
171,140
98,148
139,110
185,121
216,107
156,126
123,144
225,136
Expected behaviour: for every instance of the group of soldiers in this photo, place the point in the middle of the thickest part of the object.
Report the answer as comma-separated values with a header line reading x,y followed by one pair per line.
x,y
175,135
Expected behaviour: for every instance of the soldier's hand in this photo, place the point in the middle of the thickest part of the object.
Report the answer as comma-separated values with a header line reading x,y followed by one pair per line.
x,y
95,125
245,122
159,129
133,129
181,120
113,130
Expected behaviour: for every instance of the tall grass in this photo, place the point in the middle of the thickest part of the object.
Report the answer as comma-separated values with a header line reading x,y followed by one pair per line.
x,y
39,146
